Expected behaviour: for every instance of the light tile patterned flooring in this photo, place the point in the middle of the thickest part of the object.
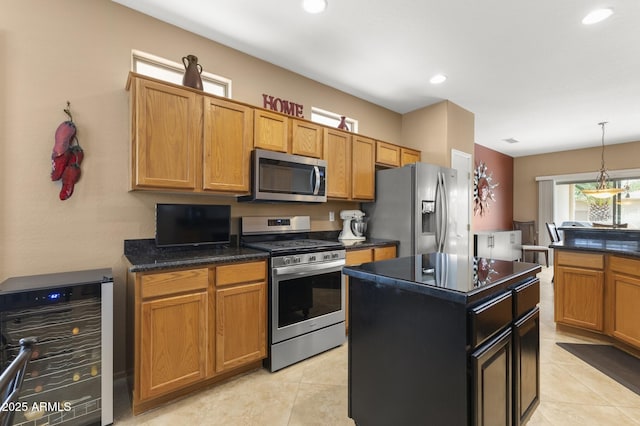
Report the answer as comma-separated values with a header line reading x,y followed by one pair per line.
x,y
314,392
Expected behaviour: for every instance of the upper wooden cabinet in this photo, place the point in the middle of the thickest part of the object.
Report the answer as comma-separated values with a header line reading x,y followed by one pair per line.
x,y
166,136
337,153
306,138
387,154
228,139
183,140
363,168
271,131
409,156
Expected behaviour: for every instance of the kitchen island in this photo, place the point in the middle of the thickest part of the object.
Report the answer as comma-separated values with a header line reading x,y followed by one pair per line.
x,y
597,284
439,340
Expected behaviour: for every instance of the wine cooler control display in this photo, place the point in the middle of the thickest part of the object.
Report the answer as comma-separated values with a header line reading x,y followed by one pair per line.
x,y
63,382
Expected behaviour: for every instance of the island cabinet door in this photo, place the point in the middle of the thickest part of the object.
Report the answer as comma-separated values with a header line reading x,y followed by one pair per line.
x,y
492,381
579,297
526,374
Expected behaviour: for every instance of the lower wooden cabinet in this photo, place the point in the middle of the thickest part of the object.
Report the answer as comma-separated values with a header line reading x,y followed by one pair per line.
x,y
579,289
526,366
193,327
623,294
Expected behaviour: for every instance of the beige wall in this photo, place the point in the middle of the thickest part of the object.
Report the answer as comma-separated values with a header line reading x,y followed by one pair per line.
x,y
437,129
54,51
526,169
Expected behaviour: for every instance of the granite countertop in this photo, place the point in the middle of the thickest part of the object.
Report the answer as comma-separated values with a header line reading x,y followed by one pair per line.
x,y
449,277
143,255
368,243
601,240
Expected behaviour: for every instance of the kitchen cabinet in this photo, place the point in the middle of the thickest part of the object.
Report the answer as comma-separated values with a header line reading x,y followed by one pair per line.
x,y
306,138
409,156
501,245
166,136
387,154
363,168
228,138
469,351
623,295
358,257
271,131
579,289
173,331
195,327
241,318
337,153
187,141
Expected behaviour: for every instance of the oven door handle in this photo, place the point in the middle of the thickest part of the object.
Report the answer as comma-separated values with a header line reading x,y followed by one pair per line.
x,y
309,269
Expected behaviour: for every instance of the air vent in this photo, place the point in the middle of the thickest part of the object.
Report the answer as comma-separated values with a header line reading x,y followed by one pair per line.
x,y
511,140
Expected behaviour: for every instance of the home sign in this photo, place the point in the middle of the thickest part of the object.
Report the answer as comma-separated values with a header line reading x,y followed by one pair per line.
x,y
282,105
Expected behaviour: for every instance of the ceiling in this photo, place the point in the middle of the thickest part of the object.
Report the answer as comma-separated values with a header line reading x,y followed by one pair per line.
x,y
528,70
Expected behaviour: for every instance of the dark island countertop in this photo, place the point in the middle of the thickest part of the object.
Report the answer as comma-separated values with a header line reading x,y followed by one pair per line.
x,y
445,276
602,240
143,255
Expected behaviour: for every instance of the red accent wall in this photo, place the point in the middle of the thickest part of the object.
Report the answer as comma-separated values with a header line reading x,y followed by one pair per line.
x,y
499,216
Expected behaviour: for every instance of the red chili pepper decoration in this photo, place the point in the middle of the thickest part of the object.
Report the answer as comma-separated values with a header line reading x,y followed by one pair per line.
x,y
66,156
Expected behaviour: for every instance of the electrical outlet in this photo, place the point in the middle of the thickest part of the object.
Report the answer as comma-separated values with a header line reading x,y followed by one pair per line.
x,y
332,216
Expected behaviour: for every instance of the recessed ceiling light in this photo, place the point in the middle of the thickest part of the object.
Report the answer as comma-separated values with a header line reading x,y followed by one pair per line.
x,y
597,15
437,79
314,6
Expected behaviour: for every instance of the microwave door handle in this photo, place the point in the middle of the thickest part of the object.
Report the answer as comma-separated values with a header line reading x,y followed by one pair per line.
x,y
316,174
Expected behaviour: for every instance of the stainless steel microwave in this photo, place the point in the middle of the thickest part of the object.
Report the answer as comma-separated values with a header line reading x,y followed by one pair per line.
x,y
285,177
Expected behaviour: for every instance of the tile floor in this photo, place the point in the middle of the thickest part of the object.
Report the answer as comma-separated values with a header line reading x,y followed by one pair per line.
x,y
314,392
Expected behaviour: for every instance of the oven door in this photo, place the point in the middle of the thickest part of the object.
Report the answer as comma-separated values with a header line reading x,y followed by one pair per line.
x,y
305,298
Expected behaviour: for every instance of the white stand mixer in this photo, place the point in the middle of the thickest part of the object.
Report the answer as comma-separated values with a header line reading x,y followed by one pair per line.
x,y
353,225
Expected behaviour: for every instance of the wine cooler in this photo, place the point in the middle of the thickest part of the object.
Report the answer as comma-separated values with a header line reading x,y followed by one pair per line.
x,y
69,378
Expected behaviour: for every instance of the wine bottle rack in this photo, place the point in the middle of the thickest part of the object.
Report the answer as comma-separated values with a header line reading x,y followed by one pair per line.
x,y
64,380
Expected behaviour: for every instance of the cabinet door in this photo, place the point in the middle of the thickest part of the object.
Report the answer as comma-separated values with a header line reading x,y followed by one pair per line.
x,y
363,168
173,343
387,154
228,137
167,136
337,153
492,382
271,131
306,139
579,297
625,292
241,325
409,156
526,348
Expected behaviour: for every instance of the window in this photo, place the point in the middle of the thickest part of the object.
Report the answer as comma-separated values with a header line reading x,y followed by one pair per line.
x,y
332,119
620,210
164,69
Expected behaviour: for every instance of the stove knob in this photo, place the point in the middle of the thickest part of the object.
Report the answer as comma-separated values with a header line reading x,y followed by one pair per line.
x,y
312,258
287,260
326,257
334,255
296,259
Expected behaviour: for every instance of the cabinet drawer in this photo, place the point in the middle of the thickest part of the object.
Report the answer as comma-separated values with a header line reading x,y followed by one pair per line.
x,y
240,273
525,297
358,257
582,260
489,318
154,285
624,265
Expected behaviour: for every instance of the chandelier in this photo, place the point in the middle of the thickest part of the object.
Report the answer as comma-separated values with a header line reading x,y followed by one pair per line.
x,y
602,190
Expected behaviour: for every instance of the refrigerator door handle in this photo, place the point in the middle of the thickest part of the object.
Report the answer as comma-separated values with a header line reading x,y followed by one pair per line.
x,y
445,209
438,213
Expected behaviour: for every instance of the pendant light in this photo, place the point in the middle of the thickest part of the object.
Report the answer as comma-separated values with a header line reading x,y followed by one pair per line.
x,y
602,190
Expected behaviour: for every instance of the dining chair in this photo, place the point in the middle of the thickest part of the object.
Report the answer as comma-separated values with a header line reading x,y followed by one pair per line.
x,y
530,241
553,232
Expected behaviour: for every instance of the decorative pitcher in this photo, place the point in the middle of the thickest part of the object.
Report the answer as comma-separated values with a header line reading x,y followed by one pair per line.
x,y
343,123
192,72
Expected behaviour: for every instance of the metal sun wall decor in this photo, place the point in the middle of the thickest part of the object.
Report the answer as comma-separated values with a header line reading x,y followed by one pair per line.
x,y
482,189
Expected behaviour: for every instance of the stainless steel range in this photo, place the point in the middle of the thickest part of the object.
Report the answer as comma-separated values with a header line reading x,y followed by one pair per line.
x,y
306,291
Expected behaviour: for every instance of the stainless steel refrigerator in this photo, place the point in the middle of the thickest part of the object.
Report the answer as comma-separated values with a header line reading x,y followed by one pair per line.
x,y
414,204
